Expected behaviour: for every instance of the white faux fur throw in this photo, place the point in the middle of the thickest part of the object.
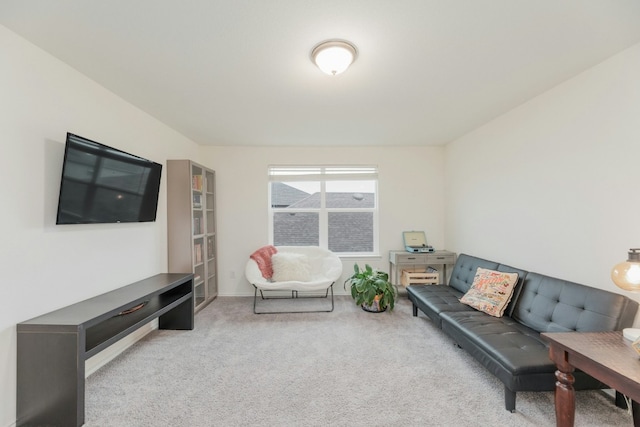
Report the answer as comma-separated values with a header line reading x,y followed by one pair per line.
x,y
290,267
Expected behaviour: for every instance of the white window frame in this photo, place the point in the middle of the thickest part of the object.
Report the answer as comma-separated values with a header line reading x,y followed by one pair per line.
x,y
322,174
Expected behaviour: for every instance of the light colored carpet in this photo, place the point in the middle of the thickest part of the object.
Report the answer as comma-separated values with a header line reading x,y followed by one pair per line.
x,y
346,368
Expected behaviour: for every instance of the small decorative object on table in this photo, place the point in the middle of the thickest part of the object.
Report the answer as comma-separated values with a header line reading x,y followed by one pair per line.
x,y
371,289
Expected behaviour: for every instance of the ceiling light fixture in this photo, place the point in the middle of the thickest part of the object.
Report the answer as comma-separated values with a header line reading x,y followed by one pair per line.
x,y
334,56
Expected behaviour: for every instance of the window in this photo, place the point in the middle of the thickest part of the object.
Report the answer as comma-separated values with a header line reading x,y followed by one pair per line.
x,y
335,207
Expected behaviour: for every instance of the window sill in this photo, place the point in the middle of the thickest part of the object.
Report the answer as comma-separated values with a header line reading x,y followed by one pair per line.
x,y
359,256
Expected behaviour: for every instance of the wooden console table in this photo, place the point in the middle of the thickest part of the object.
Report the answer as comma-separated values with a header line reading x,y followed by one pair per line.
x,y
606,356
52,348
399,260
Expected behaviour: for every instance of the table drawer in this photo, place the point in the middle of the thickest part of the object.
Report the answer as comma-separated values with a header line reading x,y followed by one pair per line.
x,y
409,258
440,258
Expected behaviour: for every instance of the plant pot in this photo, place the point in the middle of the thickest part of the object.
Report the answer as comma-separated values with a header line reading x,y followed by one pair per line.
x,y
374,307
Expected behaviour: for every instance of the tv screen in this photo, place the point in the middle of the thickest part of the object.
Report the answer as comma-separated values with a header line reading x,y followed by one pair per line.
x,y
101,184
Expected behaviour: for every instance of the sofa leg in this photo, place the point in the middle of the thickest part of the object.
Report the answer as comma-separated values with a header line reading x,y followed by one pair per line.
x,y
415,310
509,400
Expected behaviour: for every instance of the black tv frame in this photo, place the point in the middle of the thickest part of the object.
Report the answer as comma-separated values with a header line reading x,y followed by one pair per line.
x,y
148,205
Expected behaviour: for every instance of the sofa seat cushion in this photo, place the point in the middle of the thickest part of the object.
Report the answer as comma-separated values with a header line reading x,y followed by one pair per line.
x,y
432,300
512,352
517,348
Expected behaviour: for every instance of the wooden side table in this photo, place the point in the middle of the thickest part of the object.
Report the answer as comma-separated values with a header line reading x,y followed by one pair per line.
x,y
606,356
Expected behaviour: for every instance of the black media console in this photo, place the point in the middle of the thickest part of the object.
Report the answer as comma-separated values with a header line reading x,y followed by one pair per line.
x,y
52,348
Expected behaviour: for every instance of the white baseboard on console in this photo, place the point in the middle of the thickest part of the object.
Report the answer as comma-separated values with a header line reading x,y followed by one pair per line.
x,y
108,354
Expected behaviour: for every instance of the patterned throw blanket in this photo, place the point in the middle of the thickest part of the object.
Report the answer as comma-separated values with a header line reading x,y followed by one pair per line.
x,y
262,257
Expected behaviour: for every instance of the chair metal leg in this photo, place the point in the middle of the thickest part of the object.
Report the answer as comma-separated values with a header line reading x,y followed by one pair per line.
x,y
294,295
255,297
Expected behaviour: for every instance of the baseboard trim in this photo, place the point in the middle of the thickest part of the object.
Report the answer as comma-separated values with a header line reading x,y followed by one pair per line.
x,y
96,362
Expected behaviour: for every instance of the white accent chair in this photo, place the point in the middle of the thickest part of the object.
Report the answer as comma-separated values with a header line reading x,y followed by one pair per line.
x,y
325,267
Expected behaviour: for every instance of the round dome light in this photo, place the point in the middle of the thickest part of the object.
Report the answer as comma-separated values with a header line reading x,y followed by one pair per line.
x,y
334,56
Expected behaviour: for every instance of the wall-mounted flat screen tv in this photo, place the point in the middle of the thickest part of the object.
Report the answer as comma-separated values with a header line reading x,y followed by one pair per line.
x,y
101,184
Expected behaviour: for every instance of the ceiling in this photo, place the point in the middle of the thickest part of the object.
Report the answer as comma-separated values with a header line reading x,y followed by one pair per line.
x,y
238,72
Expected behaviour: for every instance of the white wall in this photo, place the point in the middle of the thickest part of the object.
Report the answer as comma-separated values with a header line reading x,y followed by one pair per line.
x,y
552,186
45,266
549,187
411,197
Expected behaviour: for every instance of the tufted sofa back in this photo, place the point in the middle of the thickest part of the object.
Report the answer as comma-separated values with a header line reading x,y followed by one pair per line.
x,y
465,269
547,304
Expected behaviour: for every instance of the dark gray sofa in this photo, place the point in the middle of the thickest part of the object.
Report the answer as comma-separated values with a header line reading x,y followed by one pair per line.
x,y
510,347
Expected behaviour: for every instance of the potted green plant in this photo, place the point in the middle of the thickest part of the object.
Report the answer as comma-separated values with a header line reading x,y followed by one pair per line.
x,y
371,289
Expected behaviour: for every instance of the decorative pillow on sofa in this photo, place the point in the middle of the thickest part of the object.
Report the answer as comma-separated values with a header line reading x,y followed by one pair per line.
x,y
289,266
490,291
